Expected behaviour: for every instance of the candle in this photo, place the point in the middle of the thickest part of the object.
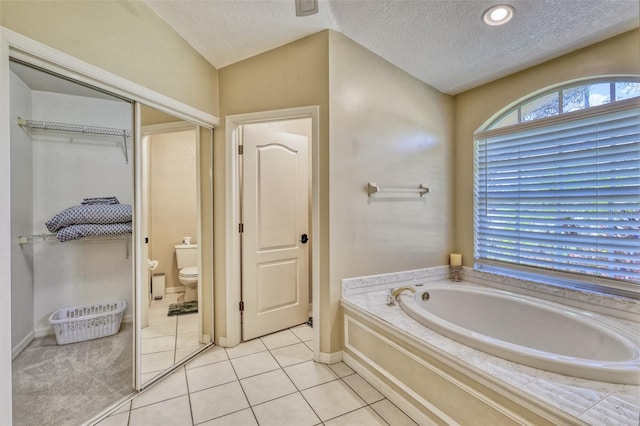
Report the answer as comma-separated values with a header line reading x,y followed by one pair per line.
x,y
455,259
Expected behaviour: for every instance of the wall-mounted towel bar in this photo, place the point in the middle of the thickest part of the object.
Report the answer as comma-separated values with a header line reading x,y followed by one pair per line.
x,y
78,128
373,188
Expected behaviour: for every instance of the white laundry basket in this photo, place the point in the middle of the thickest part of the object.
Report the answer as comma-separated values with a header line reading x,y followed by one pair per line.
x,y
79,323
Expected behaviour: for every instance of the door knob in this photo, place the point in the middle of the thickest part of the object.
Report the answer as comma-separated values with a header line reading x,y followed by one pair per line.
x,y
304,238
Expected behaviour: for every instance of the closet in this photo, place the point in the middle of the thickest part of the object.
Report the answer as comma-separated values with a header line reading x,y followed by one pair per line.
x,y
69,143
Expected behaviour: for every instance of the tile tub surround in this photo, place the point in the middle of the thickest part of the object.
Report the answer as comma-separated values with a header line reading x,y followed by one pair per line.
x,y
617,306
351,286
592,402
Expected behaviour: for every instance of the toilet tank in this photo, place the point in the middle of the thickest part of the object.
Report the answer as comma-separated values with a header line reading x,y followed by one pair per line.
x,y
187,255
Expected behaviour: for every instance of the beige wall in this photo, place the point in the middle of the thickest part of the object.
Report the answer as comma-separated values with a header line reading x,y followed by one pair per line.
x,y
150,116
125,38
618,55
293,75
376,122
390,128
173,198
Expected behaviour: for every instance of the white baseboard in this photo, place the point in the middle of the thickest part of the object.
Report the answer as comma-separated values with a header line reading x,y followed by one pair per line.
x,y
42,332
330,358
22,344
221,341
178,289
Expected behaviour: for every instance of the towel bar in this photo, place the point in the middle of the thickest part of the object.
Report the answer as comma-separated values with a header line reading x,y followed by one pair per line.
x,y
373,188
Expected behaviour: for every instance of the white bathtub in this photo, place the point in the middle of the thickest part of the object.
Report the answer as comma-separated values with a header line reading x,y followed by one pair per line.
x,y
528,331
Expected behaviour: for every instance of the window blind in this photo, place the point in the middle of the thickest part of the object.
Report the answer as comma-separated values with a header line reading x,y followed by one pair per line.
x,y
562,197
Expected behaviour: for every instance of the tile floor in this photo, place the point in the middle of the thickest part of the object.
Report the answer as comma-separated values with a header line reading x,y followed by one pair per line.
x,y
267,381
167,340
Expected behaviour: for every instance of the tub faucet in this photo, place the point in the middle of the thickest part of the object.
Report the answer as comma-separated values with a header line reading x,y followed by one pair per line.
x,y
394,293
391,301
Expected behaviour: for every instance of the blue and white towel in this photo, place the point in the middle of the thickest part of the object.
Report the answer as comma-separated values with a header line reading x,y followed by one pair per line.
x,y
100,200
74,232
90,213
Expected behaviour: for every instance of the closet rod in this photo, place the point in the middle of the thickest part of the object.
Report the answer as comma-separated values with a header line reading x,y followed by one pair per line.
x,y
44,238
78,128
49,238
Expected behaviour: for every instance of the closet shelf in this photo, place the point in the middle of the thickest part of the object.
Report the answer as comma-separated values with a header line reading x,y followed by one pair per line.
x,y
44,238
78,128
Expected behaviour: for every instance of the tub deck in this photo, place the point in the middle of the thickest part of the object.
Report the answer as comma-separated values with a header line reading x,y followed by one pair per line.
x,y
592,402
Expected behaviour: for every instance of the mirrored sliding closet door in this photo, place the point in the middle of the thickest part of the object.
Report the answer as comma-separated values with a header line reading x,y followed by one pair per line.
x,y
174,164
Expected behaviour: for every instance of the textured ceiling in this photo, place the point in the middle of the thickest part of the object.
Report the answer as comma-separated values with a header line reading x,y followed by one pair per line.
x,y
441,42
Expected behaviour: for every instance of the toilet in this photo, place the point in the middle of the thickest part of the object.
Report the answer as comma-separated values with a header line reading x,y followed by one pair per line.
x,y
187,257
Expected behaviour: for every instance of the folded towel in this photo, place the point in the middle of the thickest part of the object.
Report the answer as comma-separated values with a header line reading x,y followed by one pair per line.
x,y
90,213
74,232
101,200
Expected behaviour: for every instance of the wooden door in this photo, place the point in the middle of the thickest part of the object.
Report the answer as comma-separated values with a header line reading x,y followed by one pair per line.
x,y
275,247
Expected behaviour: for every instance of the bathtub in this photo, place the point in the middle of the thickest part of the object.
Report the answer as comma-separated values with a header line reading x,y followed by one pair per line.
x,y
528,331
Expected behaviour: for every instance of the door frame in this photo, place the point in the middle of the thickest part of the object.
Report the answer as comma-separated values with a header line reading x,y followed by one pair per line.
x,y
13,44
232,196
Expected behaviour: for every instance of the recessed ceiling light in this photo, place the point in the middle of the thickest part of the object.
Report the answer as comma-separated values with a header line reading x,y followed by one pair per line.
x,y
498,15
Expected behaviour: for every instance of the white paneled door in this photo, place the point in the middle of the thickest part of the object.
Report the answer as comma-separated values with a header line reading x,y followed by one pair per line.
x,y
275,235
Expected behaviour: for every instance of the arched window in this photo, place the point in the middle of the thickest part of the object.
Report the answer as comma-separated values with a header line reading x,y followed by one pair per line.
x,y
557,187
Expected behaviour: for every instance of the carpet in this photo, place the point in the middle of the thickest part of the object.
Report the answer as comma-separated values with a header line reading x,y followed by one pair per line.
x,y
183,308
67,385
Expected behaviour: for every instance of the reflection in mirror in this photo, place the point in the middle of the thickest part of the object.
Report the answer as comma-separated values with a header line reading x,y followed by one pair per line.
x,y
66,367
172,320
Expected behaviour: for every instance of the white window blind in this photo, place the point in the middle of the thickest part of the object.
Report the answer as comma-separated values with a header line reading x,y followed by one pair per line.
x,y
562,196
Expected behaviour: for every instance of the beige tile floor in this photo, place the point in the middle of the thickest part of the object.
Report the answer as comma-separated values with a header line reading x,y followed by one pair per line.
x,y
267,381
167,339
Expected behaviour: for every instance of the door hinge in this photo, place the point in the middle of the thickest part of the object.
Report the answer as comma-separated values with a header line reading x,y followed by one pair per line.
x,y
240,149
241,306
241,228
